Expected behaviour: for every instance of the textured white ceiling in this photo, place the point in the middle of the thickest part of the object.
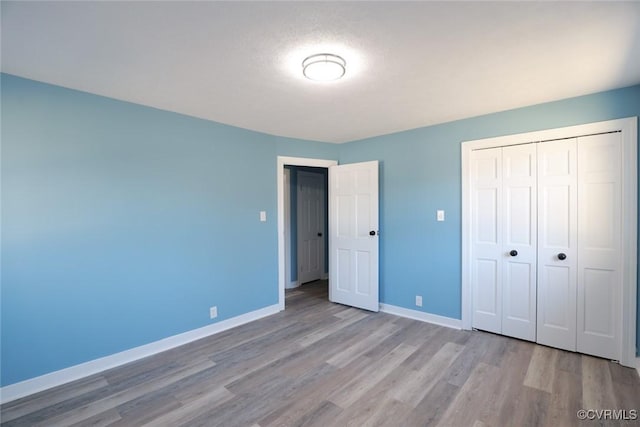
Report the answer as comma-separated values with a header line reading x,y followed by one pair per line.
x,y
409,64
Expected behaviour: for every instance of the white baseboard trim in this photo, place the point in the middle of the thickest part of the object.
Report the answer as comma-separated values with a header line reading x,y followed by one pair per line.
x,y
292,285
638,365
72,373
325,276
422,316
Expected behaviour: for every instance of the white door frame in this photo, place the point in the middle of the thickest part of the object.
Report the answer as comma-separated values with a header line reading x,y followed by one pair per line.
x,y
287,230
629,129
281,162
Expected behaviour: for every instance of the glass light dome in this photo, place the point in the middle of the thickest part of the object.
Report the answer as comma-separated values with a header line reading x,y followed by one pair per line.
x,y
324,67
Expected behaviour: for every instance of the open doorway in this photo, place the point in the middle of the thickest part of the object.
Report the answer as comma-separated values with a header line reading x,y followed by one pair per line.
x,y
306,225
290,169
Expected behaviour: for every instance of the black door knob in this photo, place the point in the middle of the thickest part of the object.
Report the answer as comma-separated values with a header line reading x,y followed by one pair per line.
x,y
513,253
319,234
372,233
562,256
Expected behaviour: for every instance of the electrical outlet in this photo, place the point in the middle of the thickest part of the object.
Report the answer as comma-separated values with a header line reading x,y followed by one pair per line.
x,y
213,312
419,300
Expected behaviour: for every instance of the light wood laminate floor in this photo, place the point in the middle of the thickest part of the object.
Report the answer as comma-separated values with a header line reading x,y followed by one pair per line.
x,y
324,364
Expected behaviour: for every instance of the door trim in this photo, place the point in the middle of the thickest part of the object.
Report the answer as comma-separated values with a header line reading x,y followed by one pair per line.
x,y
287,231
281,162
629,129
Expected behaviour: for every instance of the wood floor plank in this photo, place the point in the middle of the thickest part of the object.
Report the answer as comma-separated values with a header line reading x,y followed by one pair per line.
x,y
510,386
386,414
194,386
623,375
324,364
19,408
411,334
319,334
147,407
193,409
353,390
321,416
432,407
496,349
476,395
627,397
308,396
289,359
416,387
253,405
597,385
103,419
570,362
374,406
471,355
245,361
434,338
566,400
532,413
542,369
348,313
94,408
358,348
318,352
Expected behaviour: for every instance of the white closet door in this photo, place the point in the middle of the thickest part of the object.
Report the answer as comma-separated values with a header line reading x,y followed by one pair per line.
x,y
557,243
519,222
599,299
486,274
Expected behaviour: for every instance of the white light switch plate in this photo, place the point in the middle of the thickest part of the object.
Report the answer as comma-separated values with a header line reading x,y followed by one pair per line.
x,y
263,216
440,215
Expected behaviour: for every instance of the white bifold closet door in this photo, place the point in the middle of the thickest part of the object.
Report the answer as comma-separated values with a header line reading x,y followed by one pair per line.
x,y
504,240
580,247
547,243
557,243
599,294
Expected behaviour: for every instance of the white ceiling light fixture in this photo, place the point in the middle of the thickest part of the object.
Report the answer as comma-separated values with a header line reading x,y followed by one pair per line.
x,y
324,67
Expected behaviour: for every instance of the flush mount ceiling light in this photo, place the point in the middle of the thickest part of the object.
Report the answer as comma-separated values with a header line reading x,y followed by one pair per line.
x,y
324,67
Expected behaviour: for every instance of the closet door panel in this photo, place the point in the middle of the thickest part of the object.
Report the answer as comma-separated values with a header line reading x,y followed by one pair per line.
x,y
599,302
486,278
519,218
557,244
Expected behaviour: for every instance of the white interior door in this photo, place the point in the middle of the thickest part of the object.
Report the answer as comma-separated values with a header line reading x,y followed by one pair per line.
x,y
557,243
310,214
353,235
486,235
519,236
599,298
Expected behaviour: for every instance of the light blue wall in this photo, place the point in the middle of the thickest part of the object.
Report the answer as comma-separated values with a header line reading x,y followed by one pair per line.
x,y
123,224
420,173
